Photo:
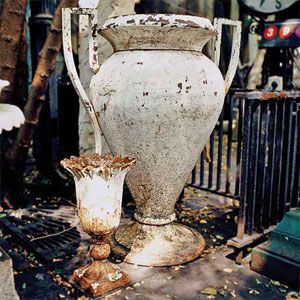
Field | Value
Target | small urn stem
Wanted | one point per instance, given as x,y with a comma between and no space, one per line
100,250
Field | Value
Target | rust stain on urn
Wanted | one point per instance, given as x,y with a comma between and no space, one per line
161,20
180,87
188,23
130,21
94,30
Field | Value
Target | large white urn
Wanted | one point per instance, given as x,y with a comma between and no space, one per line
156,98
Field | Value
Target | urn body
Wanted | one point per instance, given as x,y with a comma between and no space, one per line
160,107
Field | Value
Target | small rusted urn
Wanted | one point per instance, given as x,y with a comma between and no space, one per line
99,186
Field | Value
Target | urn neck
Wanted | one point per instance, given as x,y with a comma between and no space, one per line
158,32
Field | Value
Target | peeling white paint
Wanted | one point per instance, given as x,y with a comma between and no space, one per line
158,99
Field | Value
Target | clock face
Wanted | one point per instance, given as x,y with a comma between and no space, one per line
268,6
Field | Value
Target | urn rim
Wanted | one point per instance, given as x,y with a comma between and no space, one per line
159,20
157,32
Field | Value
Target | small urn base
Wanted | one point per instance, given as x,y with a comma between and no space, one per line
100,276
164,245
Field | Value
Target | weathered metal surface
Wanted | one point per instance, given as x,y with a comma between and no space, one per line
150,104
235,51
265,95
157,31
281,252
157,245
68,55
269,134
99,187
47,232
100,276
267,144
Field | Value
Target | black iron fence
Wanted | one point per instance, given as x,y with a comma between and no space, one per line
218,167
254,156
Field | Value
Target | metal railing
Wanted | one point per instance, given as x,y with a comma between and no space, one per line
218,169
254,154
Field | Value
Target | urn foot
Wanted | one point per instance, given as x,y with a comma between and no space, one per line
165,245
100,276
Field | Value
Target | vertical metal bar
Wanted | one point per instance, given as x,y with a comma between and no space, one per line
296,184
252,188
261,174
211,164
202,175
270,165
229,147
194,175
278,160
220,150
239,148
247,104
293,161
284,204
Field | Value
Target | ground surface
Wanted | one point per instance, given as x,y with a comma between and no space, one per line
212,276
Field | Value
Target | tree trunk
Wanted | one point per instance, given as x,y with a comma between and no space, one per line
16,154
12,20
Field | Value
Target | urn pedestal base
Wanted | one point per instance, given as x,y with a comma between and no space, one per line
160,245
100,276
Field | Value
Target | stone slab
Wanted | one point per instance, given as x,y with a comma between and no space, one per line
7,283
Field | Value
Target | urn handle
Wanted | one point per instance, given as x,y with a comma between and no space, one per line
93,59
235,50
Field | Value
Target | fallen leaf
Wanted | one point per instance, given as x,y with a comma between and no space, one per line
275,283
253,291
222,292
176,268
227,270
3,215
233,294
292,295
203,221
209,291
39,276
82,298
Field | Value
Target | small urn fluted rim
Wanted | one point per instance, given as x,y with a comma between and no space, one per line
105,166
